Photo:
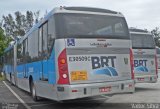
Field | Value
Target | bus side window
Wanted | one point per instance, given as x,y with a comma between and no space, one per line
51,34
45,37
19,53
36,45
12,58
33,46
26,54
40,42
24,49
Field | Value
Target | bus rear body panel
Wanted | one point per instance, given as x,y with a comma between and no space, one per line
95,67
145,65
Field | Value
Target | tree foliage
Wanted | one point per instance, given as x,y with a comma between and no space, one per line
4,41
19,24
15,25
156,33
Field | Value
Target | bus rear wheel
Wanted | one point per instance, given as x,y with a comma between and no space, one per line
33,92
11,79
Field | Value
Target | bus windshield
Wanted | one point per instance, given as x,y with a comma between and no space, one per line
142,41
90,26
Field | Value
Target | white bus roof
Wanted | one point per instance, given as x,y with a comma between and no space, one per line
139,31
84,10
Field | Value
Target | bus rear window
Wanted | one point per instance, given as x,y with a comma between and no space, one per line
144,41
88,25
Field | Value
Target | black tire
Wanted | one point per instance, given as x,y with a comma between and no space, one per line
11,79
33,92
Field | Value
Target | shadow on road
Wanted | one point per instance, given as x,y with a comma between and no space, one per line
83,105
144,89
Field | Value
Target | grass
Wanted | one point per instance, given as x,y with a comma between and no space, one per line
1,77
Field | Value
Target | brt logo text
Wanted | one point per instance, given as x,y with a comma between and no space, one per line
103,61
140,63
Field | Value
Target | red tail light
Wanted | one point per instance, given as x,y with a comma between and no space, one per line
63,68
131,63
156,63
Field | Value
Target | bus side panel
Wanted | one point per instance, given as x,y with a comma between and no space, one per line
51,68
43,73
7,72
23,73
45,70
45,87
22,81
34,70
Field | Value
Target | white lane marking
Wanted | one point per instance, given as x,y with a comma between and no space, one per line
17,96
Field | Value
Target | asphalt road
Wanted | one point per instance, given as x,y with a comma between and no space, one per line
147,96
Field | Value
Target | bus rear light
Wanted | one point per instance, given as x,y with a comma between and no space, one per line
74,90
131,63
64,76
63,68
156,65
63,61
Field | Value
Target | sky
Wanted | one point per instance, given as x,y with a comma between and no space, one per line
143,14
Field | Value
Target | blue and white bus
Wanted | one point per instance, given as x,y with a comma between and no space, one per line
74,52
144,53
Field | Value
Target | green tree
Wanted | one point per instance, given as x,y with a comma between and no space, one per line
4,41
156,33
9,25
36,15
29,19
19,24
16,25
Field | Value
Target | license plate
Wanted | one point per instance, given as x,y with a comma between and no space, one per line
79,75
141,79
105,89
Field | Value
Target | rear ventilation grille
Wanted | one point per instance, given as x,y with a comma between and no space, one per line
90,9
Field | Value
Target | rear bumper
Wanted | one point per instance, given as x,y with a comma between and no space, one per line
66,92
146,79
